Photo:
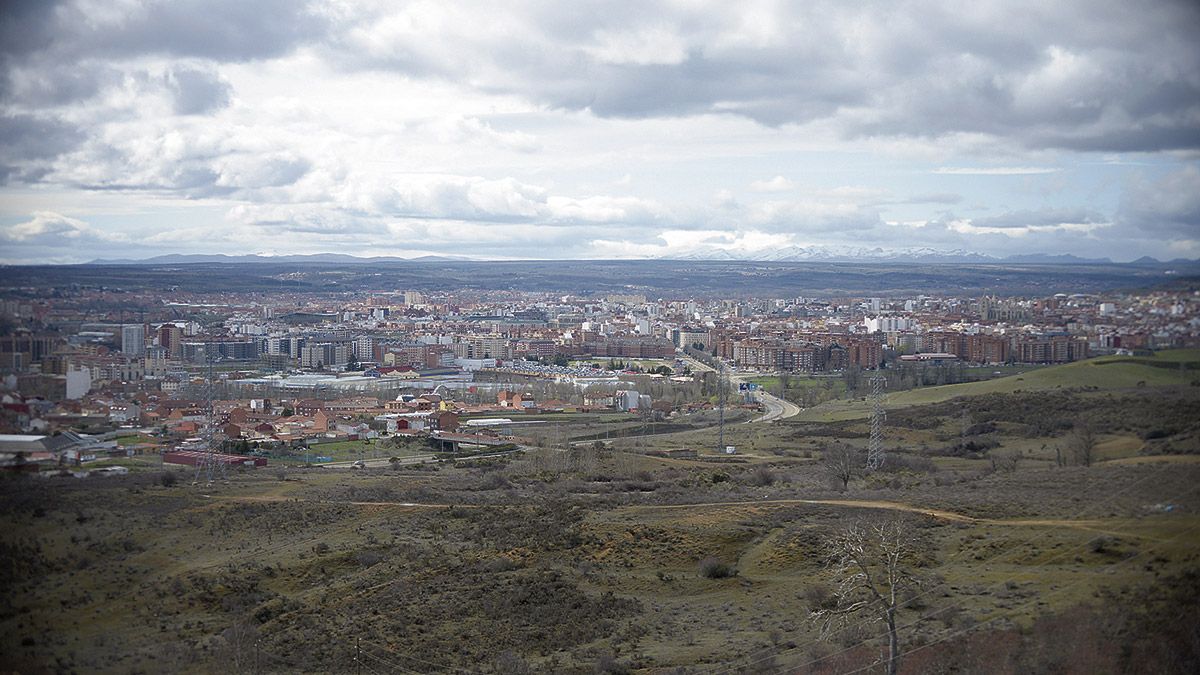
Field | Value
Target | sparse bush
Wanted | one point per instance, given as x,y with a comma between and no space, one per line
819,596
495,481
719,477
501,564
762,477
712,568
168,478
607,664
509,663
369,558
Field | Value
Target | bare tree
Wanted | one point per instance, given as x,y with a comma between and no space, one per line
842,462
236,646
1083,444
871,566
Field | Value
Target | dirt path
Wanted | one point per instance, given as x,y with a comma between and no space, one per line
894,506
940,514
1155,459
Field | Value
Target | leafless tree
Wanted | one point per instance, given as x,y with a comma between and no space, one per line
842,462
237,644
1083,444
872,566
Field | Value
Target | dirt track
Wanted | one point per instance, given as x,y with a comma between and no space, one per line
848,503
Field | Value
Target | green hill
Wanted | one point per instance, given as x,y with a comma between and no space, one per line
1106,372
1166,368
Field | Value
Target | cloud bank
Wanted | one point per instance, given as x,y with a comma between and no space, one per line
542,129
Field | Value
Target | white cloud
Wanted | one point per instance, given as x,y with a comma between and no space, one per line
45,224
776,184
994,170
537,128
50,228
649,45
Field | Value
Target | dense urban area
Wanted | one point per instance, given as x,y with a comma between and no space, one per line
515,481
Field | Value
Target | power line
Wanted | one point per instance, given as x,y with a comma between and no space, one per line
389,664
440,667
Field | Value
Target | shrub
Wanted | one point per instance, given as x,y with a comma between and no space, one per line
819,597
607,664
168,478
713,568
369,558
762,477
501,564
509,663
495,481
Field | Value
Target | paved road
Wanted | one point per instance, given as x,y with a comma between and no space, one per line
777,408
696,366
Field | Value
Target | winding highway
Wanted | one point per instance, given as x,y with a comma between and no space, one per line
777,408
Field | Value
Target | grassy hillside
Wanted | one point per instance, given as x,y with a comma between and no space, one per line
1164,369
517,568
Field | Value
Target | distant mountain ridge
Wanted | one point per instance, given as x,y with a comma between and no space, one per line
845,254
186,258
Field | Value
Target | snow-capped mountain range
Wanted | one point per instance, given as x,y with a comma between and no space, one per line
872,254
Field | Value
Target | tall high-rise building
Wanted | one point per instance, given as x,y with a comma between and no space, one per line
133,339
170,338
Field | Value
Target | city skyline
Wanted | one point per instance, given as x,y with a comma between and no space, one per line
596,131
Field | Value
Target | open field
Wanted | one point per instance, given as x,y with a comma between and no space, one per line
593,558
581,571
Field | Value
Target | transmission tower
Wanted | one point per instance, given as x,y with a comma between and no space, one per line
875,449
721,406
209,467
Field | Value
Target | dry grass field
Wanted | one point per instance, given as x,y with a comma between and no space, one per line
586,560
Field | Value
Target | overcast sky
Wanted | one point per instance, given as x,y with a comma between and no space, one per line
597,129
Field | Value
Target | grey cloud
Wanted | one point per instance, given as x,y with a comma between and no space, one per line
43,82
1078,75
1167,206
1047,217
1084,75
28,143
58,53
224,30
33,137
197,91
